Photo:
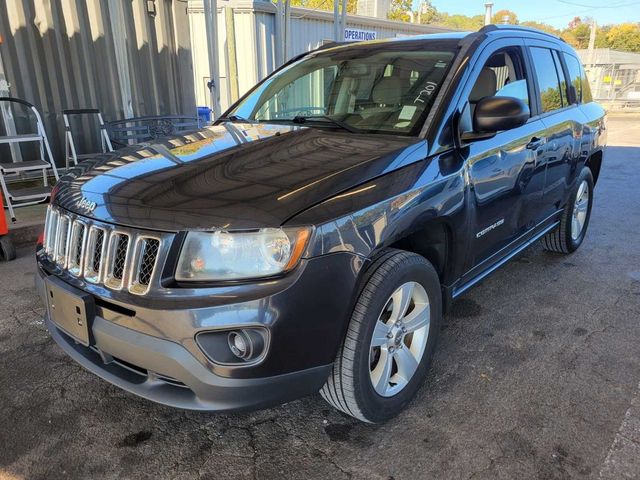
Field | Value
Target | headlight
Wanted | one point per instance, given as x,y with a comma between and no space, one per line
240,255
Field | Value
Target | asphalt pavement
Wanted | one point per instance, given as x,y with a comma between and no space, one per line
536,376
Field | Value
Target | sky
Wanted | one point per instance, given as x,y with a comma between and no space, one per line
555,12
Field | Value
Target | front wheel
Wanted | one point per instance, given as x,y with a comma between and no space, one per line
391,337
569,235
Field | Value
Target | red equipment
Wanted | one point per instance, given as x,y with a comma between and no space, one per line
7,249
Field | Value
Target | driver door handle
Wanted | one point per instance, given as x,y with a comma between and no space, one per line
535,143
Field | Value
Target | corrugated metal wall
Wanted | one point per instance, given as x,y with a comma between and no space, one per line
309,28
254,23
108,54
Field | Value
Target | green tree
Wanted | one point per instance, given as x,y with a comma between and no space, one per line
399,10
428,12
578,36
625,36
352,5
500,15
459,22
550,99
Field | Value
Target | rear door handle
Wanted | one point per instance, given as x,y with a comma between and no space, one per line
535,143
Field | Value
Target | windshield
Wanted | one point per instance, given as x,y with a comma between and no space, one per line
384,88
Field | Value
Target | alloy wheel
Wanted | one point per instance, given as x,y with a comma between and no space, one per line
580,210
399,339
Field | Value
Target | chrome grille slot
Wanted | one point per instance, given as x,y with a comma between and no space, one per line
94,253
62,240
117,259
51,225
148,261
101,254
77,247
146,256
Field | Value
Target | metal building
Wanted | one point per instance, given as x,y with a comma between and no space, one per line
149,57
127,58
247,41
614,76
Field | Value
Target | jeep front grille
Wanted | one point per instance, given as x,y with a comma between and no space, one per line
117,259
147,263
102,254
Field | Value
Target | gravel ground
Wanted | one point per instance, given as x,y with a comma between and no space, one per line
536,376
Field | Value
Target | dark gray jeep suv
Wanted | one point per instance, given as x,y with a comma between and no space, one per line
312,238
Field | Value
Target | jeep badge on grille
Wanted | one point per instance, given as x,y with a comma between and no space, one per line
87,204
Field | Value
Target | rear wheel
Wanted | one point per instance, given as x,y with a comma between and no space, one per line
390,340
569,235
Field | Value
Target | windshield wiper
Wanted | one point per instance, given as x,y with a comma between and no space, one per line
234,118
345,126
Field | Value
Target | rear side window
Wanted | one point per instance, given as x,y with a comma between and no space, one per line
561,76
547,73
575,75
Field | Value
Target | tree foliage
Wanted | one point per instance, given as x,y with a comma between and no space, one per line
460,22
352,5
623,36
501,15
399,10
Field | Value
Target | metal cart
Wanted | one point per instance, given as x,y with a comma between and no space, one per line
143,129
70,151
19,197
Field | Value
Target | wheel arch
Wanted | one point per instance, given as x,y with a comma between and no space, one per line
594,162
433,240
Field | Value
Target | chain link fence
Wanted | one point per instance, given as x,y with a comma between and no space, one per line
614,78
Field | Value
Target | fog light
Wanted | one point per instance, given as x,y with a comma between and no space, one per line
240,344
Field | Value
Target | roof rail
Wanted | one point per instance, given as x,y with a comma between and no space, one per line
492,28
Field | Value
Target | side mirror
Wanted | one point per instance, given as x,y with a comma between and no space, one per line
494,114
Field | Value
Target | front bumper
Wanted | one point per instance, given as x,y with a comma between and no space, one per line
165,372
152,352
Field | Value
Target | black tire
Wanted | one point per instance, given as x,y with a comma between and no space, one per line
7,249
349,387
560,239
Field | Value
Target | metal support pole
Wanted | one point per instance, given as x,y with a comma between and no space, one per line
232,62
279,33
211,25
592,42
487,13
336,20
7,114
343,20
287,30
117,18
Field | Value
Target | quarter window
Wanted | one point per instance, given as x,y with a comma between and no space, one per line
551,97
573,66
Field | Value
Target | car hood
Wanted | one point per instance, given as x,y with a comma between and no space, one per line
231,176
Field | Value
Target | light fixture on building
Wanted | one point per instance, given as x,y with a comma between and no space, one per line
151,8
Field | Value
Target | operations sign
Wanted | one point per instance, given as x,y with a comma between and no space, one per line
355,34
